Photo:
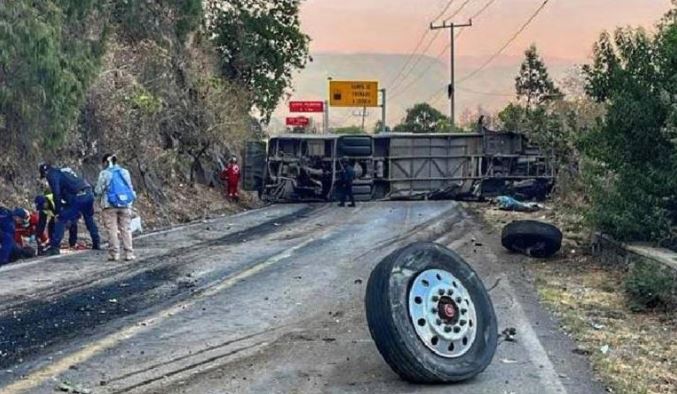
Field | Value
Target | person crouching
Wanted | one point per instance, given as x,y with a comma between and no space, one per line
116,194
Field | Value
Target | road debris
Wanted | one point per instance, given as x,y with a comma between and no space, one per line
68,387
426,271
509,334
506,203
532,238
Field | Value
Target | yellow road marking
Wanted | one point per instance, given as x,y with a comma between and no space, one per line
36,378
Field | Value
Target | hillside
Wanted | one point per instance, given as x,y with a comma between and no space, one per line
498,79
135,79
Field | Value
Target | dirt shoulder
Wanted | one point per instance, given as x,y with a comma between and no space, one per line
631,352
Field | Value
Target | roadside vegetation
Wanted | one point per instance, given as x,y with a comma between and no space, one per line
173,87
612,128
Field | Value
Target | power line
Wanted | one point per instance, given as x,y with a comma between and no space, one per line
398,92
506,45
392,87
444,11
418,45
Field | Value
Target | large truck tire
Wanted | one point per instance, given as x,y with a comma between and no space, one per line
430,315
355,146
533,238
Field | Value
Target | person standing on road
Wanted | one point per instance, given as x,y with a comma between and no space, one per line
68,187
44,205
116,193
231,175
346,178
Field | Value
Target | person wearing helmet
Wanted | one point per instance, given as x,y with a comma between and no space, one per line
77,193
231,175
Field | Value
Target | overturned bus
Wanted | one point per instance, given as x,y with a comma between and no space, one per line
300,167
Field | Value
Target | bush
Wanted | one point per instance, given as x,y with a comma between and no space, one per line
651,287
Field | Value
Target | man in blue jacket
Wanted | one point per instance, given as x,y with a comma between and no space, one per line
7,228
77,193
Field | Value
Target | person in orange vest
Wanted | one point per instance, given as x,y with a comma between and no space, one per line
231,176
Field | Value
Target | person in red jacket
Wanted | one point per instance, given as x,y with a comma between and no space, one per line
231,175
26,227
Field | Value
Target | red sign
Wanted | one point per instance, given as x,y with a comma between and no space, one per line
298,121
306,106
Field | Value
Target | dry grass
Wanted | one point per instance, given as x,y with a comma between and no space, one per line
631,352
590,302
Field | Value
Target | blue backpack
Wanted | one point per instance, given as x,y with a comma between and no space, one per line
120,194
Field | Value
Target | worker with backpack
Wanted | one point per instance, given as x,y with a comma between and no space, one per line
116,195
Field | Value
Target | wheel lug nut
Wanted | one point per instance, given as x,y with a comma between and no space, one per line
450,291
457,329
447,329
458,300
464,311
436,298
441,292
439,322
434,310
462,322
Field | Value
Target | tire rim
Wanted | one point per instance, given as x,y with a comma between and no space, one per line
443,313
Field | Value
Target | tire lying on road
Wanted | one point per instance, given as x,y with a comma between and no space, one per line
430,315
533,238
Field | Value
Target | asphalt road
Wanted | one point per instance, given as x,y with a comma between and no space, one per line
266,301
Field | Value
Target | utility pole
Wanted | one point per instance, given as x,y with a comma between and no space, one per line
451,91
364,115
383,110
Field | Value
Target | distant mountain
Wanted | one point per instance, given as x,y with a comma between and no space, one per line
491,89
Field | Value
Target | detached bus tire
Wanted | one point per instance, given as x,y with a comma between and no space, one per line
533,238
430,315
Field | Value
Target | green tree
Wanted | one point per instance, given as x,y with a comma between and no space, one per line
423,118
48,58
260,44
633,183
533,84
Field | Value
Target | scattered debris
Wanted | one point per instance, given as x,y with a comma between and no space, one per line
508,361
358,281
68,387
604,349
506,203
509,334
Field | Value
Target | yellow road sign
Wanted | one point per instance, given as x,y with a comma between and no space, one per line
353,93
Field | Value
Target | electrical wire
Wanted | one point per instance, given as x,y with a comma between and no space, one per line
398,92
418,45
506,45
394,87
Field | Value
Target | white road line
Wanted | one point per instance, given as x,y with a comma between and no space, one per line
535,350
36,378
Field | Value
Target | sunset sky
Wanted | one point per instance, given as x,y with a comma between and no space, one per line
565,29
